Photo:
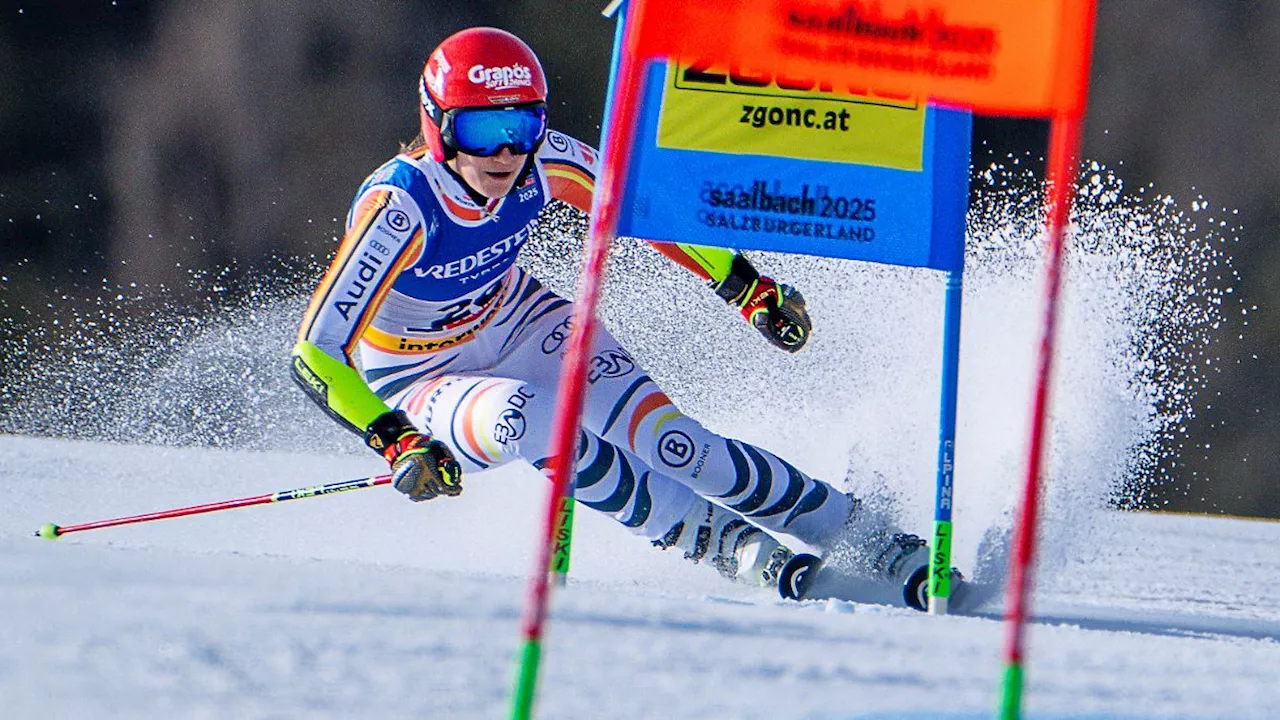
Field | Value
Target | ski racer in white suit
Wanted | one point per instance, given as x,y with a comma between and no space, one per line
460,349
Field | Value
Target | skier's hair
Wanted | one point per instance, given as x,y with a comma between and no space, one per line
417,143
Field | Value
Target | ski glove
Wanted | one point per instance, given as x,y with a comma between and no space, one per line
777,311
421,467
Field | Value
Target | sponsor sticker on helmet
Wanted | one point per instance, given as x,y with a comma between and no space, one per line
501,78
425,96
435,76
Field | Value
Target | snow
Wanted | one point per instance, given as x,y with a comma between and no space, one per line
365,605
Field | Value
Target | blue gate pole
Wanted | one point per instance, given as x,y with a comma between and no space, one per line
940,558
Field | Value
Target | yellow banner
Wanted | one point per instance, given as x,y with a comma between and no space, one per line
726,110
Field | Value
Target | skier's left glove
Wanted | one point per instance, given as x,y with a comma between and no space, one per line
777,311
421,467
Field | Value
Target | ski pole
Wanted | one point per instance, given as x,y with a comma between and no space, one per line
52,532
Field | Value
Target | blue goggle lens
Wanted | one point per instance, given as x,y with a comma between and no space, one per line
484,132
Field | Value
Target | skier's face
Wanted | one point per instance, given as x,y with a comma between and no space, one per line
492,177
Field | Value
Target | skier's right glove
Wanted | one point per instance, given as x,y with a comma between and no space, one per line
421,467
775,310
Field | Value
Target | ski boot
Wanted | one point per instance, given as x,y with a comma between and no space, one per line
768,563
740,551
905,559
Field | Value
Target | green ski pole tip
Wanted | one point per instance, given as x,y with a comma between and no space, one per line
49,531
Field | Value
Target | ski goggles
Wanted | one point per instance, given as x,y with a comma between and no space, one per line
483,132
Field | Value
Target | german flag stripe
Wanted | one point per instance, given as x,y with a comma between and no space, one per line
453,430
397,267
463,212
369,207
646,407
478,444
571,184
561,162
616,412
418,398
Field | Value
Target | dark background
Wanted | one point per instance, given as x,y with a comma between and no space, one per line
147,142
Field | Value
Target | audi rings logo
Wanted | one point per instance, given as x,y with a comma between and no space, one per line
398,220
558,141
555,339
675,448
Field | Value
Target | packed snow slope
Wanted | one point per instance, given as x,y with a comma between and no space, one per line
364,605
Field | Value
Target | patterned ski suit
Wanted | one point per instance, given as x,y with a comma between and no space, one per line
469,345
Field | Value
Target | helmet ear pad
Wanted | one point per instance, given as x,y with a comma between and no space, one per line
431,134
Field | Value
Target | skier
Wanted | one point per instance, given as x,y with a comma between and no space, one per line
460,348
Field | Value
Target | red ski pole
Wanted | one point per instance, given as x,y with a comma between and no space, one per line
52,532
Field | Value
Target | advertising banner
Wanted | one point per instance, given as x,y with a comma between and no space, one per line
1001,57
744,159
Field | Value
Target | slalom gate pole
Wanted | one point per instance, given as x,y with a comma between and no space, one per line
619,130
940,557
563,549
1064,151
51,531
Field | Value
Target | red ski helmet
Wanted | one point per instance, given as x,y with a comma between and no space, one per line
480,67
